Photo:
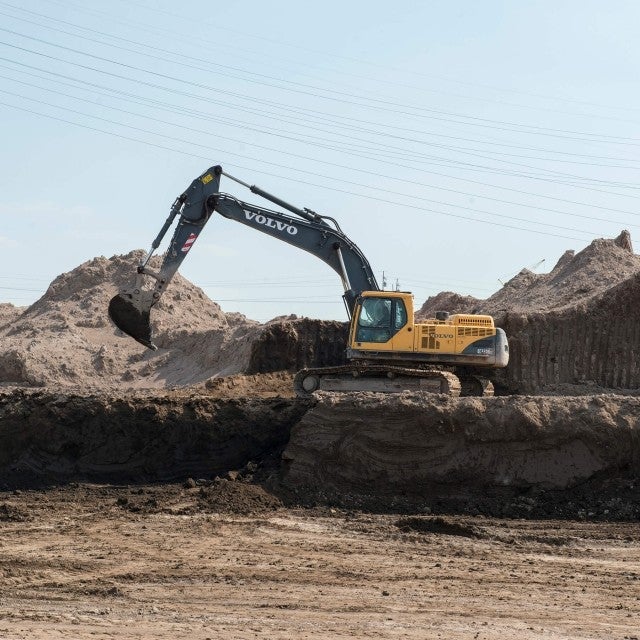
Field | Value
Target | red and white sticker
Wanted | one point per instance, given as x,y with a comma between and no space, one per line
188,242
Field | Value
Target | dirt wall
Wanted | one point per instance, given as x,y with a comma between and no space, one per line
295,344
371,447
499,456
54,437
595,344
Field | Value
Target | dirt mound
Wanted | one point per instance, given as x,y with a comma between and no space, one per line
448,301
13,513
267,385
587,348
192,497
446,526
225,496
571,331
576,278
66,339
9,313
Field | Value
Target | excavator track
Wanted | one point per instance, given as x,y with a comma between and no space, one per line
382,378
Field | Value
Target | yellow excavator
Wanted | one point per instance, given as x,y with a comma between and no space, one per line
387,350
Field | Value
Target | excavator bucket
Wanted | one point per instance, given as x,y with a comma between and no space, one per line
131,319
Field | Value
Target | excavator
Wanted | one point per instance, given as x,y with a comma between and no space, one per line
387,350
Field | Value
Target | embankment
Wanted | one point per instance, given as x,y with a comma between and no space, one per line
500,456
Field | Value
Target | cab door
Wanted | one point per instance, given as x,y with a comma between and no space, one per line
402,329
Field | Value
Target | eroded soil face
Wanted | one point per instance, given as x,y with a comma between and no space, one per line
166,561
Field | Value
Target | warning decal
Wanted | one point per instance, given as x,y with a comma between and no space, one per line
188,242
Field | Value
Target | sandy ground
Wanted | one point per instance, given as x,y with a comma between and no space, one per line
163,561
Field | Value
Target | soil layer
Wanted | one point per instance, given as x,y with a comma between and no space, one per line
512,456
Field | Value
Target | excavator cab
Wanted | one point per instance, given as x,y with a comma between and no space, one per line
383,329
381,321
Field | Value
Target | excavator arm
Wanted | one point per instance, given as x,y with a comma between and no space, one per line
305,229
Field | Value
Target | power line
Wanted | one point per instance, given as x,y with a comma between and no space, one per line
137,26
147,117
311,112
269,130
153,133
314,159
475,121
431,171
235,154
19,289
217,64
354,169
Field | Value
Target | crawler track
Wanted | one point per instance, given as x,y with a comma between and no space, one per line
384,378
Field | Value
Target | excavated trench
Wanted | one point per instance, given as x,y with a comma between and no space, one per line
504,456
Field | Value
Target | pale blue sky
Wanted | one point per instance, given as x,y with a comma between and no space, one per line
455,142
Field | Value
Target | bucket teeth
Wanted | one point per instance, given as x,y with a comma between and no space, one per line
131,320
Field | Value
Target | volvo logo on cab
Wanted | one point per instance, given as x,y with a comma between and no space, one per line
270,222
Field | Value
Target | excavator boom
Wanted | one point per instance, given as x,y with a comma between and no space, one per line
305,229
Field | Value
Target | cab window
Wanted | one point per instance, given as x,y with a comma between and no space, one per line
374,323
380,319
400,315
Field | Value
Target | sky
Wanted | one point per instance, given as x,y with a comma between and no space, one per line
456,143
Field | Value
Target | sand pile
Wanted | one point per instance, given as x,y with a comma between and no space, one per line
9,313
571,331
576,278
67,339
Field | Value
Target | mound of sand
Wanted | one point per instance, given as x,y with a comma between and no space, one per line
9,313
576,278
66,338
573,330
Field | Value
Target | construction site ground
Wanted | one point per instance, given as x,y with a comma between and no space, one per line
164,561
185,493
235,554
